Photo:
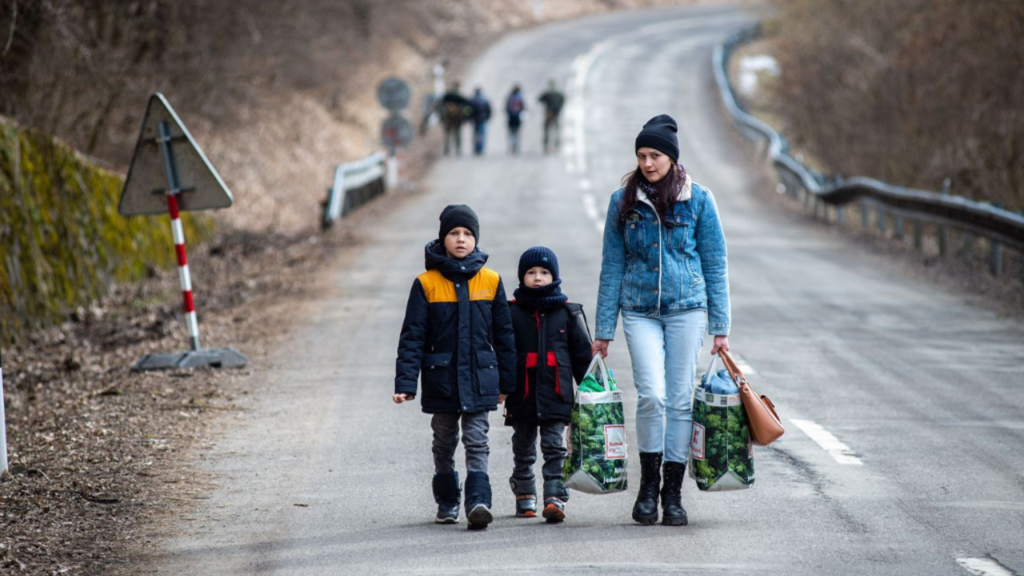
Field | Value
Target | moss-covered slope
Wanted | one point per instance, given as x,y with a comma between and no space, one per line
62,241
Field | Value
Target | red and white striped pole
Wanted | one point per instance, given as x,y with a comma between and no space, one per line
173,189
3,422
186,280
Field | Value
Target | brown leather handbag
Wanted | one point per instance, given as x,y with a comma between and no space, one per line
765,426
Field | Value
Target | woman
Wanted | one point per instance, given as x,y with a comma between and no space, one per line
664,267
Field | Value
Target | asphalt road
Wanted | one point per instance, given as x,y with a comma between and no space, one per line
904,404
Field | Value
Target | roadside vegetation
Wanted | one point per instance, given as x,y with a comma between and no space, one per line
912,92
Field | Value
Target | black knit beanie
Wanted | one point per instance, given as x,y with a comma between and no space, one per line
455,215
660,133
538,256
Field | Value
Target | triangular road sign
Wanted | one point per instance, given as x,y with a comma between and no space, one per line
184,166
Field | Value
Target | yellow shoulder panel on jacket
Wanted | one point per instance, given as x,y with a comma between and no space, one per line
484,286
437,288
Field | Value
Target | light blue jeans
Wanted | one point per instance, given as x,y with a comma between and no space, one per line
664,353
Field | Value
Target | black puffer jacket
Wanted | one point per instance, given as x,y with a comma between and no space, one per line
552,349
457,335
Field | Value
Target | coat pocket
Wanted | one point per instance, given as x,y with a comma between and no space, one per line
487,372
436,374
563,377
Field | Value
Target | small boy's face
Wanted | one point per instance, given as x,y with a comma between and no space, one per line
459,243
536,277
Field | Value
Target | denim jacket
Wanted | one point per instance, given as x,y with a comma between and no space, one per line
650,268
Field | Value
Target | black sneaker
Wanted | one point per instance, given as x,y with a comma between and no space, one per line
526,506
479,517
554,510
447,514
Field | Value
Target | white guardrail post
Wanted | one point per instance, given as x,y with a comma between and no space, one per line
350,176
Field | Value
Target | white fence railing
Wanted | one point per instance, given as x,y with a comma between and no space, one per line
355,184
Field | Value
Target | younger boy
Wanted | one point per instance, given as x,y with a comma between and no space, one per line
553,345
457,339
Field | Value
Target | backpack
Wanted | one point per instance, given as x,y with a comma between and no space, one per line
515,104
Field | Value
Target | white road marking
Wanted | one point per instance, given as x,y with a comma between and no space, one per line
747,369
590,207
837,450
983,567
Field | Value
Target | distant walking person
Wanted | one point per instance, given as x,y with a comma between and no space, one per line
481,114
515,108
664,267
553,101
457,341
455,108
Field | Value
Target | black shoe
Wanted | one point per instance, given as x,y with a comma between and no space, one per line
645,510
526,506
478,500
447,514
447,494
672,495
554,510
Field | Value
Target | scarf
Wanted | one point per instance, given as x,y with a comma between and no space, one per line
543,298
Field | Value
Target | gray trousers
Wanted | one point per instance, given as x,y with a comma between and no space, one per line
524,455
474,439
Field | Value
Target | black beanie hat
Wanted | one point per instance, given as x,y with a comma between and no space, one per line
660,133
538,256
455,215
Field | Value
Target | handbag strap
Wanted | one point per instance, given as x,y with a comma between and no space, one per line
731,366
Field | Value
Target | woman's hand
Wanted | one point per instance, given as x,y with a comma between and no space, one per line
399,398
599,347
501,398
721,343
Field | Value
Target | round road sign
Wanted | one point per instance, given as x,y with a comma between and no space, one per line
393,93
396,132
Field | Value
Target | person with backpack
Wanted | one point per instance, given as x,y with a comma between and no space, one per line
553,100
481,114
454,109
552,349
515,108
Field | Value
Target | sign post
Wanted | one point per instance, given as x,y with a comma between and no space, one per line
169,172
396,132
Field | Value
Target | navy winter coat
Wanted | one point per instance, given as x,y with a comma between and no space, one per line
457,335
552,348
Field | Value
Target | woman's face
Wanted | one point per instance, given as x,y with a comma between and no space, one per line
653,164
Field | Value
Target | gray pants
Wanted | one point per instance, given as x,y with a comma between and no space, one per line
524,454
474,440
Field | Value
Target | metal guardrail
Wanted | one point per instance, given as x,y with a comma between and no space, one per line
997,225
355,184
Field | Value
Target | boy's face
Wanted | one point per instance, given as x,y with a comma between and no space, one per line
536,277
459,243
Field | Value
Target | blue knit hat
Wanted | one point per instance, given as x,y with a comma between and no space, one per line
538,256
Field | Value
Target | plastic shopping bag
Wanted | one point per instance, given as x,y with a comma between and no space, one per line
721,454
596,437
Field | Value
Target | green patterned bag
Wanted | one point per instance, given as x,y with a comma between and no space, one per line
596,437
721,454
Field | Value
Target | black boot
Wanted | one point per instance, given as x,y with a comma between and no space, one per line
645,511
672,495
478,500
447,493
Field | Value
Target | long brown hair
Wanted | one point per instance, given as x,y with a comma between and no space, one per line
666,191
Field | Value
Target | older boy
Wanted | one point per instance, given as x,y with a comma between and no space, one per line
457,338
